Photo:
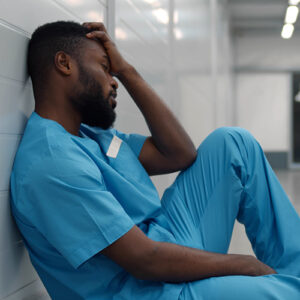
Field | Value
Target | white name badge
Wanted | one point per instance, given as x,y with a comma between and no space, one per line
114,147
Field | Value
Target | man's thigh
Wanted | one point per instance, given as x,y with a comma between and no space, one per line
269,287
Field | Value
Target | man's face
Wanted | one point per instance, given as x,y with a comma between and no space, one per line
94,96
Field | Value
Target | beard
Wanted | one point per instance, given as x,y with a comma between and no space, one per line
91,103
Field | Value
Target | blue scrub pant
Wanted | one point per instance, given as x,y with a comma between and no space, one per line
231,179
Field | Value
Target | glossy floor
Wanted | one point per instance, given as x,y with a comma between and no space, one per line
290,180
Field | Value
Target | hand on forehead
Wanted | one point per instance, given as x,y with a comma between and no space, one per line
99,33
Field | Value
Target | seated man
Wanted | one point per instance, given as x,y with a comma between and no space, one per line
89,214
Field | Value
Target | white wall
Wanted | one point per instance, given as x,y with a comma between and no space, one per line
187,60
263,106
263,64
205,69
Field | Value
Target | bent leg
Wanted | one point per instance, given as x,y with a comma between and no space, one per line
231,179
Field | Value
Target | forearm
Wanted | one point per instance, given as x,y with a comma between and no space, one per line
169,136
175,263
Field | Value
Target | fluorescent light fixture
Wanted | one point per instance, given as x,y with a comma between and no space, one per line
178,34
291,14
120,34
154,3
287,31
161,15
294,2
94,16
175,16
74,2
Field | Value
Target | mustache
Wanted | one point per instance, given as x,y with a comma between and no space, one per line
113,94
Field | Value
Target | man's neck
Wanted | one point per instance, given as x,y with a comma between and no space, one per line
67,118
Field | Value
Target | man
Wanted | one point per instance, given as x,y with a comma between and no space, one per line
89,214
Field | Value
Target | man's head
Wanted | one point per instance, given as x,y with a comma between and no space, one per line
60,55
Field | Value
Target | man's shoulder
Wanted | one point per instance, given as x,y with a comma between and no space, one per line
47,150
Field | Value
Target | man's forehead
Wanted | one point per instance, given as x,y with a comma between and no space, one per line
95,48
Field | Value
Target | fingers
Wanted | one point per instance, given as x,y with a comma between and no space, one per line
95,26
100,35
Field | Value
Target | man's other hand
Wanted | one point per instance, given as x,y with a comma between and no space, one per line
257,268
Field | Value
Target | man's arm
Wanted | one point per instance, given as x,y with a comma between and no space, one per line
160,261
170,148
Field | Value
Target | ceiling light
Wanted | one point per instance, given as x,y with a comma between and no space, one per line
161,15
94,16
120,34
154,3
74,2
175,17
294,2
287,31
178,34
291,14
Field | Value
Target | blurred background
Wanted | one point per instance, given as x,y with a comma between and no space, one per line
214,62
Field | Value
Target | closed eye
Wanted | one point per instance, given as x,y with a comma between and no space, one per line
105,67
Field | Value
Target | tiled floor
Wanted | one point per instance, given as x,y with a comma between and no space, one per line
290,180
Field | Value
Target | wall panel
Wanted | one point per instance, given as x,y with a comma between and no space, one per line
13,52
9,235
32,291
16,104
85,11
17,12
8,146
16,270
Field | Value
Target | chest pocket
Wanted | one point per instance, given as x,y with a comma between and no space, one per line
127,163
122,159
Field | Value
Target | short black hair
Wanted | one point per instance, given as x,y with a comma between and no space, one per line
47,40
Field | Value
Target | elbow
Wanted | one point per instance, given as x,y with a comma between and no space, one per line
147,267
192,157
187,159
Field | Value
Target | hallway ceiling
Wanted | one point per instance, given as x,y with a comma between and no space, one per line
254,16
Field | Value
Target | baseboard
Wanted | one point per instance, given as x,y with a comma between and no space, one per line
277,160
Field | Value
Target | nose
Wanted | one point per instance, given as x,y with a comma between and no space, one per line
114,83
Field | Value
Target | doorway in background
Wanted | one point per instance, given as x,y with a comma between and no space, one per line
296,118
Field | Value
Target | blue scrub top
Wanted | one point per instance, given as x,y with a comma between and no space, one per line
72,196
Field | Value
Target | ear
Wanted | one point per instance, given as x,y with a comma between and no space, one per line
63,63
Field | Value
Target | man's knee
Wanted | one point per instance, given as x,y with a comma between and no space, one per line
223,135
225,131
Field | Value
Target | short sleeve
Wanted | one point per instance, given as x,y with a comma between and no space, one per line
134,140
72,208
